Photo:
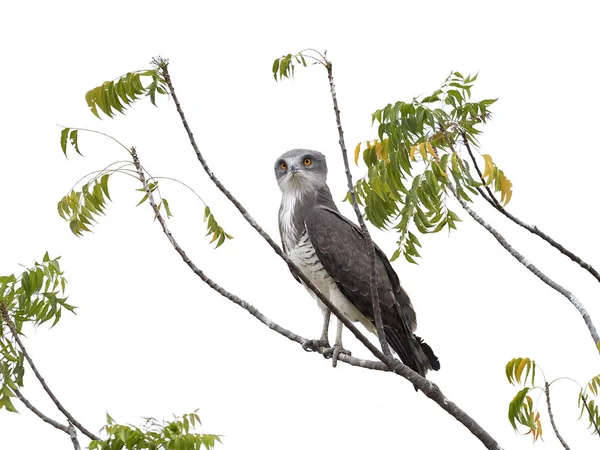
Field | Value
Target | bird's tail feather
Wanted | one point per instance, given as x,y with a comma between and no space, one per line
413,351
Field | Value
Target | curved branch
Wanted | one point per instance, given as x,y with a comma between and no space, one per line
533,269
562,441
531,228
60,407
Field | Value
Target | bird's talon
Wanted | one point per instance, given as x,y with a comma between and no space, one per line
314,345
334,352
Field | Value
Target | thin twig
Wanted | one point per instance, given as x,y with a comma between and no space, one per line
592,419
531,228
374,293
428,388
60,407
562,441
537,272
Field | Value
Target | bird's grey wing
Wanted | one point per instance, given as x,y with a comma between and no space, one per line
341,248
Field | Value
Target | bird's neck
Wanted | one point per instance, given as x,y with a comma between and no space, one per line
295,206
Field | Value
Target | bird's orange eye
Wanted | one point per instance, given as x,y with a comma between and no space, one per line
307,161
283,165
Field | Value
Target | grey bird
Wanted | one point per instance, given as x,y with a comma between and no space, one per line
331,251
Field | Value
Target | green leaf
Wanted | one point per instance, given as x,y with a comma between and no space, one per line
63,140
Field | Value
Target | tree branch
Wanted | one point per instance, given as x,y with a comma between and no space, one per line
363,226
533,269
562,441
532,229
427,387
60,407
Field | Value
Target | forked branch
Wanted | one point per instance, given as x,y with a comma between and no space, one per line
61,408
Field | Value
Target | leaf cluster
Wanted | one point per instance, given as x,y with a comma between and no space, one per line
155,435
521,409
214,229
115,96
81,207
284,67
417,159
35,296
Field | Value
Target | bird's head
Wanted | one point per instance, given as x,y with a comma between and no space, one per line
301,170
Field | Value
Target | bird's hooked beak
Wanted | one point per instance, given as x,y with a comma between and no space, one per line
293,167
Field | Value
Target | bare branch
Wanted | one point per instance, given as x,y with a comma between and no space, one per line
533,269
60,407
531,228
374,293
562,441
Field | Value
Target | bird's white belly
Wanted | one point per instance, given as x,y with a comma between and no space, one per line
305,257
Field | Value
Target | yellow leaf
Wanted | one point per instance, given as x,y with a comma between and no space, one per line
422,151
506,188
488,171
381,149
431,150
441,171
413,149
521,367
356,153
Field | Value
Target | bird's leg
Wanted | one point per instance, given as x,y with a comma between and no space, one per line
314,344
334,352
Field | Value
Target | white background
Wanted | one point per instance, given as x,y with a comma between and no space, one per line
150,339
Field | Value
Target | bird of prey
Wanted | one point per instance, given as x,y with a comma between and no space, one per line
331,251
